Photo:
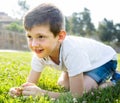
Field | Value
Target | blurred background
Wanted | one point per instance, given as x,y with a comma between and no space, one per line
97,19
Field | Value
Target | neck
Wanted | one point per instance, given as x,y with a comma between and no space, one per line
55,56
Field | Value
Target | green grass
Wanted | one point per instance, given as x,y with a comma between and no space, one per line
15,67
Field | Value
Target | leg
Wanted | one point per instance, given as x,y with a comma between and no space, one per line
99,76
64,80
106,84
89,83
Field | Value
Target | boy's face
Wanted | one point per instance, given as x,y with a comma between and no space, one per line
42,41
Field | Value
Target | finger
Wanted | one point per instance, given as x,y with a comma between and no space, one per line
25,84
27,88
30,88
13,90
12,94
26,93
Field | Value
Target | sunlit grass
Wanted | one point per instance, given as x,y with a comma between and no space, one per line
118,67
15,67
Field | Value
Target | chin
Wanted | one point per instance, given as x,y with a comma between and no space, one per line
40,56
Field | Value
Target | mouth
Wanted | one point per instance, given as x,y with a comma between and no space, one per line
38,51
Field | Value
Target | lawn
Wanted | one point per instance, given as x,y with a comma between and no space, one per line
15,67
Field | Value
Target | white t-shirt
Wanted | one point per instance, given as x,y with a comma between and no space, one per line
77,54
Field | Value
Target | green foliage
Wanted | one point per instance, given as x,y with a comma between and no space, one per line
15,26
15,67
117,26
107,30
80,23
24,7
23,4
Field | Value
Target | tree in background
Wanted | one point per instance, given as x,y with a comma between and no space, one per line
88,26
117,26
68,25
81,23
24,7
107,31
15,26
76,26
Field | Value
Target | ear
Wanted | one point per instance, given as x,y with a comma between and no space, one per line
62,35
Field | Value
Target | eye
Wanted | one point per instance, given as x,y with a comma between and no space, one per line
41,37
29,36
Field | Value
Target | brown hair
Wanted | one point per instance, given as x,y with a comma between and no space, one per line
45,13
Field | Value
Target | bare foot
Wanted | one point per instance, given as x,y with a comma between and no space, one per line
106,84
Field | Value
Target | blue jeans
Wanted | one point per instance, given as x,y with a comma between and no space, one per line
104,72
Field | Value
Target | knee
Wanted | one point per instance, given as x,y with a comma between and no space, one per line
89,83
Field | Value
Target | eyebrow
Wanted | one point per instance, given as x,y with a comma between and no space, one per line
38,34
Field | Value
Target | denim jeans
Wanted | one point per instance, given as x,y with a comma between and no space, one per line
104,72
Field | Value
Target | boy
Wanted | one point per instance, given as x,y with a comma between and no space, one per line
86,63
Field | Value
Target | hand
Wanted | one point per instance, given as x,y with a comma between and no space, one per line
31,91
28,84
15,91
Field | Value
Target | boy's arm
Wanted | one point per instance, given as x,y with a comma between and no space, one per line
31,81
33,76
76,88
77,85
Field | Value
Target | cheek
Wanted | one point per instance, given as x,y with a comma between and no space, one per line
29,44
53,46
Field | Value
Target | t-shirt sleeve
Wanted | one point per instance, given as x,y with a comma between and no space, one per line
37,64
77,62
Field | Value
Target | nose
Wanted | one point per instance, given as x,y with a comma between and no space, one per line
35,43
